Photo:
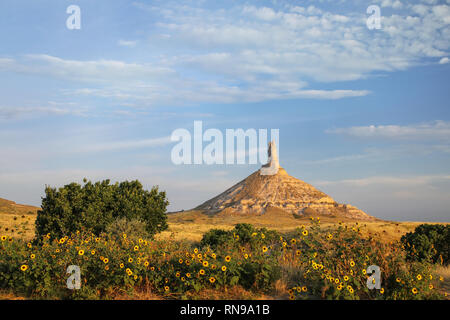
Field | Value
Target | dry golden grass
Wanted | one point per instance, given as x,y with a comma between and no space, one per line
444,271
17,220
10,207
233,293
144,293
4,295
17,226
191,225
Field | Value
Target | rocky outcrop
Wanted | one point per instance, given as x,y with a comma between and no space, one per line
260,191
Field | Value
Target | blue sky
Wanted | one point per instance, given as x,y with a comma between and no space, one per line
363,114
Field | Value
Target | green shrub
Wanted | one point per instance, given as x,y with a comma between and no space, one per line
243,234
214,238
93,206
134,229
428,242
332,264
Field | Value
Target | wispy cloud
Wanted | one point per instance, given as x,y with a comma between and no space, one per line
92,71
127,43
437,130
251,53
20,112
406,181
123,145
399,197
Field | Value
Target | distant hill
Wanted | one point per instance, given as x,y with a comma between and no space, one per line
10,207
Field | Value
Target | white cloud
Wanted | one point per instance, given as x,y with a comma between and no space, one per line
435,130
93,71
122,145
127,43
396,4
444,60
20,112
389,180
410,198
254,53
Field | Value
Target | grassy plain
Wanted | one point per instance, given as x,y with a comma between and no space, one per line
18,221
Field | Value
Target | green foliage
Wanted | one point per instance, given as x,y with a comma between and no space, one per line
109,265
133,229
312,262
428,242
242,234
93,206
214,238
333,265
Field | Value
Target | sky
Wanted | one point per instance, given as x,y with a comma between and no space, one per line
363,114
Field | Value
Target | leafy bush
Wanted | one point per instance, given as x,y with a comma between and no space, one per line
242,234
332,264
214,238
134,229
93,206
428,242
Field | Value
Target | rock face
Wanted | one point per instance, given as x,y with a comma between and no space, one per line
261,191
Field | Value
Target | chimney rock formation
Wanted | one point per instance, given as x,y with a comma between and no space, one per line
273,187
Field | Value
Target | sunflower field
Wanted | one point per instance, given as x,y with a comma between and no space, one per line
310,263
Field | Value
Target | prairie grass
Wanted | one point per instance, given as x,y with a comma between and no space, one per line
444,271
191,225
